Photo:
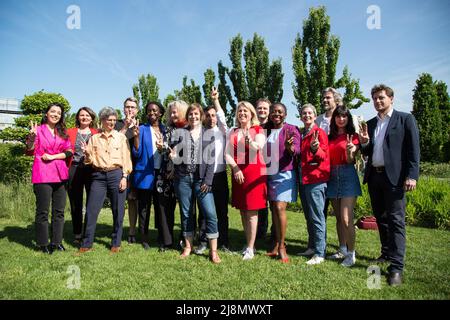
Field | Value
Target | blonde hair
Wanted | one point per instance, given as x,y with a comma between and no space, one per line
181,106
247,105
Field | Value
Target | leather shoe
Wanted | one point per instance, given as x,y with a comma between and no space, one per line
58,247
84,249
146,246
381,259
46,249
131,239
395,279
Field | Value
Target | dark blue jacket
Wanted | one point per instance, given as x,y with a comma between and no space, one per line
400,148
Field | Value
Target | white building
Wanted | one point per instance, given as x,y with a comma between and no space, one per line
9,110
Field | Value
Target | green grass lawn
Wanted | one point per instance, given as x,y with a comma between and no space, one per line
137,274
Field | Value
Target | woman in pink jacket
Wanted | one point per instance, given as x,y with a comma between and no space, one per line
50,145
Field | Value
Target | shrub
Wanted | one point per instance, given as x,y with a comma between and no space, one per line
438,170
15,166
427,206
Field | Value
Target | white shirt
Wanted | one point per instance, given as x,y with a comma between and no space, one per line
220,132
378,136
156,154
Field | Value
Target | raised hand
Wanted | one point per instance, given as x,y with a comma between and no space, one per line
159,141
83,145
350,146
136,129
363,133
214,94
289,141
315,141
33,128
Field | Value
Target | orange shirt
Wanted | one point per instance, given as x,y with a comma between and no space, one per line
106,151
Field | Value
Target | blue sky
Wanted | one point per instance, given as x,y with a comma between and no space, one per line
120,40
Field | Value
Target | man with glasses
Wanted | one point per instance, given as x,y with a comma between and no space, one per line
125,126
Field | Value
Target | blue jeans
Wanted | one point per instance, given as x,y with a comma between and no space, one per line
188,189
313,201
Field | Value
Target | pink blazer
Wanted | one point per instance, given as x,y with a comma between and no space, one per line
49,171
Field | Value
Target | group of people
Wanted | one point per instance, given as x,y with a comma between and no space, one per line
185,159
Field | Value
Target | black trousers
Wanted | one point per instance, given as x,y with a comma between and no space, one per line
105,183
221,196
388,205
56,194
80,179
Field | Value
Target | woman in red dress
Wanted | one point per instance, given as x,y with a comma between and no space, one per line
244,155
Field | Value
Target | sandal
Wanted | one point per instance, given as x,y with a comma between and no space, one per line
186,253
214,257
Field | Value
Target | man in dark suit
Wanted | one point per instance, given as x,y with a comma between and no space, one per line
391,142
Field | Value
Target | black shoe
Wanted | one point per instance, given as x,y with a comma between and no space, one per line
381,259
131,239
145,245
395,279
162,249
58,247
46,249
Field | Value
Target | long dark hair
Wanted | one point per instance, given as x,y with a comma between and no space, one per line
61,130
349,128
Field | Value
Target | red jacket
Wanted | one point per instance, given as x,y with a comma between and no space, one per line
72,132
315,167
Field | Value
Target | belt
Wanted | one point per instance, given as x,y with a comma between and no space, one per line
378,169
106,169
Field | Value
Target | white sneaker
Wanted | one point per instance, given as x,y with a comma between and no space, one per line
315,260
249,254
308,252
244,250
337,256
349,261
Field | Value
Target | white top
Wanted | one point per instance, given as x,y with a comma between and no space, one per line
156,155
220,132
378,136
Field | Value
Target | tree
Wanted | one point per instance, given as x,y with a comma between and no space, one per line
145,91
444,108
210,78
257,79
190,93
33,108
428,117
225,95
315,56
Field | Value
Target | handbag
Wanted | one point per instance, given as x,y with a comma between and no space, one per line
367,223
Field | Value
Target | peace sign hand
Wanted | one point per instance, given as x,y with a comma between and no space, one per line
33,128
363,133
83,146
214,94
289,141
315,141
136,129
350,146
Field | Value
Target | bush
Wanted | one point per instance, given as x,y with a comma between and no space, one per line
15,166
427,206
437,170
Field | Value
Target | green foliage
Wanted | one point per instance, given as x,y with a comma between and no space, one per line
38,102
14,134
225,95
15,165
428,117
145,91
190,93
315,56
257,79
436,170
33,108
444,107
210,78
427,206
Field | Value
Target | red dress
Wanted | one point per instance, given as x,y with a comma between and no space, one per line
252,194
